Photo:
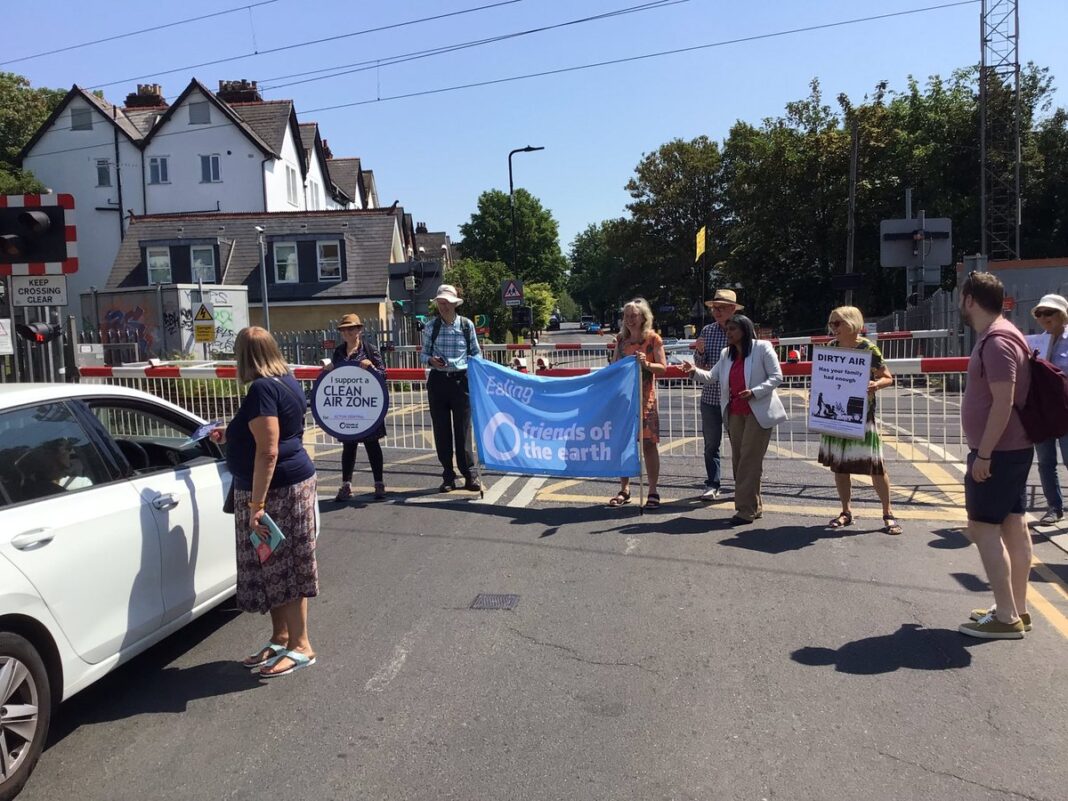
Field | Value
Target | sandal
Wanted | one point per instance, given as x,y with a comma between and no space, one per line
380,490
892,526
299,660
843,520
268,652
621,498
652,501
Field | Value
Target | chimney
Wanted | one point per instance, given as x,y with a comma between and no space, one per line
326,150
242,91
420,228
148,95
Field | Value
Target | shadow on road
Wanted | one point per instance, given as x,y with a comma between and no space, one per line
789,538
949,539
911,646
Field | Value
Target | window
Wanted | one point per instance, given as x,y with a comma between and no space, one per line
313,190
199,113
329,261
46,452
285,263
291,185
81,119
203,257
148,440
209,169
157,170
159,265
103,172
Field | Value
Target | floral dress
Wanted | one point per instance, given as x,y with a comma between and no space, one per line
650,412
861,457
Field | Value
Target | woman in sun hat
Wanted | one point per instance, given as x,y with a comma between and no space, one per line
1052,345
358,351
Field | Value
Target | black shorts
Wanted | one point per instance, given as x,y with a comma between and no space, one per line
1004,493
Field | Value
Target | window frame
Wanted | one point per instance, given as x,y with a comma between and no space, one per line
85,116
214,165
198,105
296,255
148,263
319,259
192,264
161,164
291,185
105,165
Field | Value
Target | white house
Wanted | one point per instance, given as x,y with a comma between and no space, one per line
225,152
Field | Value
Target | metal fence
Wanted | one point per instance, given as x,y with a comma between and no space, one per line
919,416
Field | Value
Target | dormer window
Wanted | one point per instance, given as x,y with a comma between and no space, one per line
81,119
200,113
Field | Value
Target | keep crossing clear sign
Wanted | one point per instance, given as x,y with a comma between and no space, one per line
204,324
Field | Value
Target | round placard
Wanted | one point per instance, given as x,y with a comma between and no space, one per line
349,402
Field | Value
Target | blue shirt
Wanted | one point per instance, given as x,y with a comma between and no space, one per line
715,338
452,343
267,397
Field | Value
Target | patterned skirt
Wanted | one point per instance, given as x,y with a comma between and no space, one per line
291,573
858,456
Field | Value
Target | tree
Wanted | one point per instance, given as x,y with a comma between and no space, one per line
479,284
23,110
488,237
542,300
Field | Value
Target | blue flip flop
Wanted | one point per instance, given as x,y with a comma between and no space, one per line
300,661
275,650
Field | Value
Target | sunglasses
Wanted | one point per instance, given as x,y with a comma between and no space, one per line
1045,312
834,323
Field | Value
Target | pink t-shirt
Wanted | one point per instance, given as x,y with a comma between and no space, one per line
1002,361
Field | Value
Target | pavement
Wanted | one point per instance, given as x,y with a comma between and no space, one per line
665,655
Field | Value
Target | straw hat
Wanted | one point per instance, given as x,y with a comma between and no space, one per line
448,292
1052,301
349,321
725,296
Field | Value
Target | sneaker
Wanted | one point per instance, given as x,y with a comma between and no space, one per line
343,494
1050,518
447,486
711,494
979,614
990,628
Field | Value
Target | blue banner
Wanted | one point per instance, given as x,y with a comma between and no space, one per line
584,426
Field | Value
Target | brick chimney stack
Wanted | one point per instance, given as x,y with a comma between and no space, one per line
243,91
148,95
326,150
420,228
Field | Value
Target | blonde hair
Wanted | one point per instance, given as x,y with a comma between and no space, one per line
851,316
257,355
646,311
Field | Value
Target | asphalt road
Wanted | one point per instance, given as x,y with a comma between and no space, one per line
664,656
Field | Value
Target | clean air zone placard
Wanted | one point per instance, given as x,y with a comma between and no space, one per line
349,402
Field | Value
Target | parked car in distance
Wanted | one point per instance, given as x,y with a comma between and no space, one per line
112,537
586,320
593,328
553,324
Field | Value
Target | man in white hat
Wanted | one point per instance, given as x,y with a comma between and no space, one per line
707,349
448,342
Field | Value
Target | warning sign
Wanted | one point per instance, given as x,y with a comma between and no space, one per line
204,324
512,292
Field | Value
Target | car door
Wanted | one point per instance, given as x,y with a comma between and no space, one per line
77,531
183,484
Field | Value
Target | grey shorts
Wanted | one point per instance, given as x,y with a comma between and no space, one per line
1004,493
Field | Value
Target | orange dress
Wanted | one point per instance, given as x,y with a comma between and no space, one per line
650,413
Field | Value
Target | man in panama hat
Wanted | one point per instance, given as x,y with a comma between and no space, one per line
710,343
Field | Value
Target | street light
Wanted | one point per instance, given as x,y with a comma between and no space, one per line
511,202
263,277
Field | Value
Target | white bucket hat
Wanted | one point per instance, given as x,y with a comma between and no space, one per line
1052,301
448,292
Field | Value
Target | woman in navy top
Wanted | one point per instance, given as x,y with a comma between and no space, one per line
356,350
273,475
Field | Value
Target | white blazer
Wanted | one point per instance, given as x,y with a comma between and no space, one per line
762,375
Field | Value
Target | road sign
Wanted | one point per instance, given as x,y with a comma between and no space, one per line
481,321
7,345
204,324
512,292
39,290
38,235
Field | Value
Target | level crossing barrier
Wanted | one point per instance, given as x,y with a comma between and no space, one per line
919,415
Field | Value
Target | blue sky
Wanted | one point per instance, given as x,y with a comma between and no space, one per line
437,153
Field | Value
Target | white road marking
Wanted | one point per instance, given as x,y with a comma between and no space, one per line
942,453
494,493
524,497
388,672
632,543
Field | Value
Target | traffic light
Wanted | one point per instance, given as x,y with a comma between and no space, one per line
39,333
37,232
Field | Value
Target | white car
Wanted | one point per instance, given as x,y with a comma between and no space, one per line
112,537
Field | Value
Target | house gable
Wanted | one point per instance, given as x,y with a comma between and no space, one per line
112,114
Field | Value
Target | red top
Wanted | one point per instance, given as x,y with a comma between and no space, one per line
737,386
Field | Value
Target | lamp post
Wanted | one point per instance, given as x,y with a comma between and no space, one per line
263,277
511,203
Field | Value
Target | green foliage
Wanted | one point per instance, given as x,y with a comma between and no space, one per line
542,300
23,110
479,283
568,306
488,237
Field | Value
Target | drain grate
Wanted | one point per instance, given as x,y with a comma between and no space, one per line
486,600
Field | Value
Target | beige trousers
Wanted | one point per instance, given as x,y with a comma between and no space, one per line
749,443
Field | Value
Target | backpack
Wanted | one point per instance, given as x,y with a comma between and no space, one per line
435,329
1044,412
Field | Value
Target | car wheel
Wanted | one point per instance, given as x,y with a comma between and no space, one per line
25,711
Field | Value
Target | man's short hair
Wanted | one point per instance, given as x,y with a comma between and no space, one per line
986,290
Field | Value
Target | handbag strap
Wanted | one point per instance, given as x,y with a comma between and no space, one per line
302,402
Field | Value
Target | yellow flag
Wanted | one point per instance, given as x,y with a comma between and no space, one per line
700,242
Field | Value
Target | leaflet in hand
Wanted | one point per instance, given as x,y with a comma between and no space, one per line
202,432
265,545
